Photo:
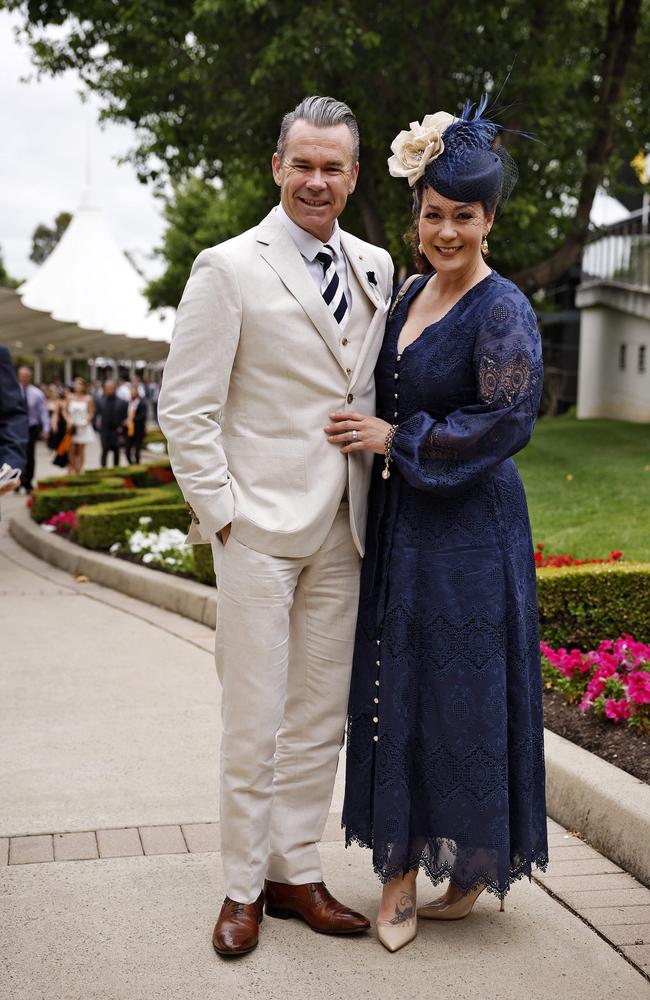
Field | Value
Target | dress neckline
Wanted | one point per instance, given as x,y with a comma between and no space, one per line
416,289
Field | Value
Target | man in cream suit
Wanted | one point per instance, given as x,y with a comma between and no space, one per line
278,328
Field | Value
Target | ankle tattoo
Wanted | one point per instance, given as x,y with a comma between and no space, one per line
404,909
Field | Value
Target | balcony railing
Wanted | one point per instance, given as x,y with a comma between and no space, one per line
620,253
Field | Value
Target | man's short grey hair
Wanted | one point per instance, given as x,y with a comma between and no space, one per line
322,112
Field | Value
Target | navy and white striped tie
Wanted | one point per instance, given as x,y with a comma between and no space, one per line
330,288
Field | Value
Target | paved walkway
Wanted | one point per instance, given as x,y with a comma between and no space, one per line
109,877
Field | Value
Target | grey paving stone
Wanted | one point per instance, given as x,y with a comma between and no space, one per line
603,916
583,902
4,850
163,840
570,852
639,953
202,838
579,866
554,827
119,843
621,934
564,840
75,846
582,883
30,850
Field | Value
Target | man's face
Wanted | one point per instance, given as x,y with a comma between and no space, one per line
109,388
24,376
316,176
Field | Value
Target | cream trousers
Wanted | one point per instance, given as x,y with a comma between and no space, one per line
284,643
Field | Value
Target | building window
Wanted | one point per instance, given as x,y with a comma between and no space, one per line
622,351
642,356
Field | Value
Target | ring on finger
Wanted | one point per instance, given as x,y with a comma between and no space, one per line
355,436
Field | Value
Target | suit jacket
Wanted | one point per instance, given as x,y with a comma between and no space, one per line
255,368
112,413
14,428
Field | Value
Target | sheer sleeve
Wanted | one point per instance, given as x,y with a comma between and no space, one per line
446,456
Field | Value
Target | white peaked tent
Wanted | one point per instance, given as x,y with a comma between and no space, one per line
86,300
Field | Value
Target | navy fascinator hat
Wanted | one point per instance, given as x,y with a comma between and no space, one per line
457,157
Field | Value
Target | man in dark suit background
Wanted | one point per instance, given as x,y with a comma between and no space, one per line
112,414
14,429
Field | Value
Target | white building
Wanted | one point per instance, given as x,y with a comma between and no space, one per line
614,299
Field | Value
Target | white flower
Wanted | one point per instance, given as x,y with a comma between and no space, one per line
48,527
145,520
115,547
414,150
148,557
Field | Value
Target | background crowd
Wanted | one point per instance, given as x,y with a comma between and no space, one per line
69,417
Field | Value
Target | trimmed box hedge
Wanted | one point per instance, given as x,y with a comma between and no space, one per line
581,605
47,503
102,524
152,474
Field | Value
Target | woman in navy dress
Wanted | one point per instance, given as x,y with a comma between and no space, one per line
445,767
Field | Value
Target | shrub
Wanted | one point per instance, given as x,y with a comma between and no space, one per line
100,526
83,479
47,503
582,605
204,564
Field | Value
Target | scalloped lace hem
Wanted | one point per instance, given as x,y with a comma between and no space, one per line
439,873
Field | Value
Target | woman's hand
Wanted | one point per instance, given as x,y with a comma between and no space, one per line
370,432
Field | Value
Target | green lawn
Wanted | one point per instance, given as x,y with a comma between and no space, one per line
605,504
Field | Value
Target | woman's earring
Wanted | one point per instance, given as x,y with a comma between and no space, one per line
484,245
420,248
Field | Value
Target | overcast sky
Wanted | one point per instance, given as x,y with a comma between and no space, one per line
45,128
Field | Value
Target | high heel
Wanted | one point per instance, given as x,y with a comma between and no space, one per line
438,909
395,936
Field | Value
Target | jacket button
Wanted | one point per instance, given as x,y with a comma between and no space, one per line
345,341
350,397
348,371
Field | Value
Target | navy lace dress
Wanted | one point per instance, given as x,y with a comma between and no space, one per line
445,764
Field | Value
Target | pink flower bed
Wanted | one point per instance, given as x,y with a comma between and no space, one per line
64,523
612,681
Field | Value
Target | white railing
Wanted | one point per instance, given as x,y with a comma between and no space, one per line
620,252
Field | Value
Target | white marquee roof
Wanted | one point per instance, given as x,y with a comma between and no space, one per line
85,300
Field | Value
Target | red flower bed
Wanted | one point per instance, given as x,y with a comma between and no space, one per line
561,559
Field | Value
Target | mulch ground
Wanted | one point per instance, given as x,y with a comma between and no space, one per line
617,743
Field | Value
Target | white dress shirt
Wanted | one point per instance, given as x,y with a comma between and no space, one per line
309,246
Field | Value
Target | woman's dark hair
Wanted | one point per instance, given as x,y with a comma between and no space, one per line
412,235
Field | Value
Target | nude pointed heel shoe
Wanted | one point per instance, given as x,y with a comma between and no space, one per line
439,910
395,936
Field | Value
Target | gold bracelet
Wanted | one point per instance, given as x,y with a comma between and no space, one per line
388,444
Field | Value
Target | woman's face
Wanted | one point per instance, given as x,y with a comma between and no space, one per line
79,385
451,232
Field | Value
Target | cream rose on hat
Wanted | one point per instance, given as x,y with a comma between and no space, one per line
413,150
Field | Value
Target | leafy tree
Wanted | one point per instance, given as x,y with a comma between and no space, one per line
45,238
207,81
6,281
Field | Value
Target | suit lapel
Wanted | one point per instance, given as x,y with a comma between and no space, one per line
279,250
361,265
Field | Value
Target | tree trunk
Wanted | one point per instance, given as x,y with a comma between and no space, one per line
622,26
366,199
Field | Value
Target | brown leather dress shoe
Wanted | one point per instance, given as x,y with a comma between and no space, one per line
237,929
313,904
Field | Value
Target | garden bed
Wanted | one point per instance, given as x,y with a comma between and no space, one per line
620,745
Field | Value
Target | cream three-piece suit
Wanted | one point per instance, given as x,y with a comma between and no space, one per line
257,363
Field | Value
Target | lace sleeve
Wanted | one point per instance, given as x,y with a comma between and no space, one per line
446,456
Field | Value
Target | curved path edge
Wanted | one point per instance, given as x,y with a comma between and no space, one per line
606,806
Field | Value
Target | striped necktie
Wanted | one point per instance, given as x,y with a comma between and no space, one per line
330,288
